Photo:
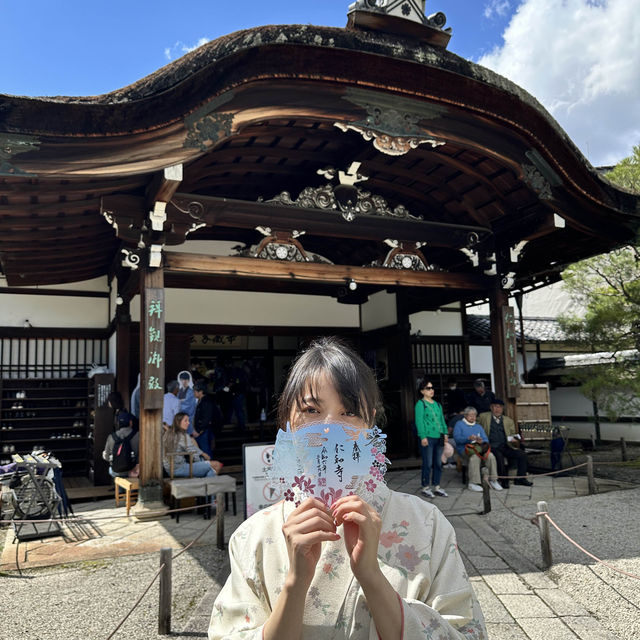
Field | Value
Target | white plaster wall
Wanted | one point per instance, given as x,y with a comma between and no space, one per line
96,284
568,401
379,311
436,323
56,311
194,306
53,311
480,360
609,431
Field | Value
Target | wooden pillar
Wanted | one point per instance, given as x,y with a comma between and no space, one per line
152,354
498,299
123,343
523,344
407,392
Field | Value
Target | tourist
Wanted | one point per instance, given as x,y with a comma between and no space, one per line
179,447
385,568
505,442
473,447
170,404
481,397
432,433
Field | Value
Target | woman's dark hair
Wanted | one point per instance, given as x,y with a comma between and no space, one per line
424,382
353,379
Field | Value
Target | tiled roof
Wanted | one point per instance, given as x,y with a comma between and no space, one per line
535,329
587,359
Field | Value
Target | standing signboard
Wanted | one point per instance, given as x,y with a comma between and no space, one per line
258,491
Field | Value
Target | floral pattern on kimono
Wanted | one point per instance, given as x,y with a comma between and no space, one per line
417,554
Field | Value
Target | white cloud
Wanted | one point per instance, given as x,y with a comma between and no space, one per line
581,60
180,48
499,8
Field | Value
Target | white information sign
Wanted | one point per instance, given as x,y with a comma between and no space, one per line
259,492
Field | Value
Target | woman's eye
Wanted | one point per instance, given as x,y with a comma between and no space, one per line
309,410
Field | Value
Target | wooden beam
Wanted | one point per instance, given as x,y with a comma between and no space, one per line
316,272
164,185
247,214
54,292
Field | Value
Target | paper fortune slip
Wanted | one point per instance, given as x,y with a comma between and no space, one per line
328,461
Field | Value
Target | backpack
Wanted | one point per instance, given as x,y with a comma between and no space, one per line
124,458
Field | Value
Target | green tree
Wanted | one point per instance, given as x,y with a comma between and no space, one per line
606,288
627,172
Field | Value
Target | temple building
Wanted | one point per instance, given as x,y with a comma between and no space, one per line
276,184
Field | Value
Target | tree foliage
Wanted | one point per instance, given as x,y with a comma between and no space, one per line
627,172
606,289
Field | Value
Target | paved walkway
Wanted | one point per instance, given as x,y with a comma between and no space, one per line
519,600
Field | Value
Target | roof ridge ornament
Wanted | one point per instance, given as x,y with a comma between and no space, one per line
402,17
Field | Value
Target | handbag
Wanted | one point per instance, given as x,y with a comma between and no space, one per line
480,449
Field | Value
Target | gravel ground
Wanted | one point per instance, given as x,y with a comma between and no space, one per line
607,526
86,601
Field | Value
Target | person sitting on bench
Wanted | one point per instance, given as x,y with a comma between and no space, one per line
473,448
176,440
505,441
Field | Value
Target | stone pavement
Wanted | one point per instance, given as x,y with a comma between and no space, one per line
519,600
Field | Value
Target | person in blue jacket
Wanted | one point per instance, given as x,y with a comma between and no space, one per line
468,432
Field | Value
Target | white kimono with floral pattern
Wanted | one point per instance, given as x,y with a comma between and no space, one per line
417,553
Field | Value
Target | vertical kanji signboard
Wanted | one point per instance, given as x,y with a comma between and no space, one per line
510,351
152,337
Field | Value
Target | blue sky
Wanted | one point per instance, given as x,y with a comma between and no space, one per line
89,47
579,58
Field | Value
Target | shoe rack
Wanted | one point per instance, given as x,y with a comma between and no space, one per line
51,414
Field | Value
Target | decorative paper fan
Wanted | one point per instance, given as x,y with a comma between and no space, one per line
328,461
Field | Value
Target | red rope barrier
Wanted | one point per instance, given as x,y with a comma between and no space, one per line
540,475
573,542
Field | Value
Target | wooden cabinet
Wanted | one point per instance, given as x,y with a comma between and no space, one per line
49,413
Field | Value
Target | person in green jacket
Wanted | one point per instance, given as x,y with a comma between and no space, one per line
432,432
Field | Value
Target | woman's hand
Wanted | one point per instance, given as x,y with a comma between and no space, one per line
424,442
362,526
306,528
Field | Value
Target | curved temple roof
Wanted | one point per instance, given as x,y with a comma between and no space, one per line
491,182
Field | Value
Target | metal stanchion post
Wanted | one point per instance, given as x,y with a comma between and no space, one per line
164,611
545,538
623,449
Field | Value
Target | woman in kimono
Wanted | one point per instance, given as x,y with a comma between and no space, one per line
382,565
